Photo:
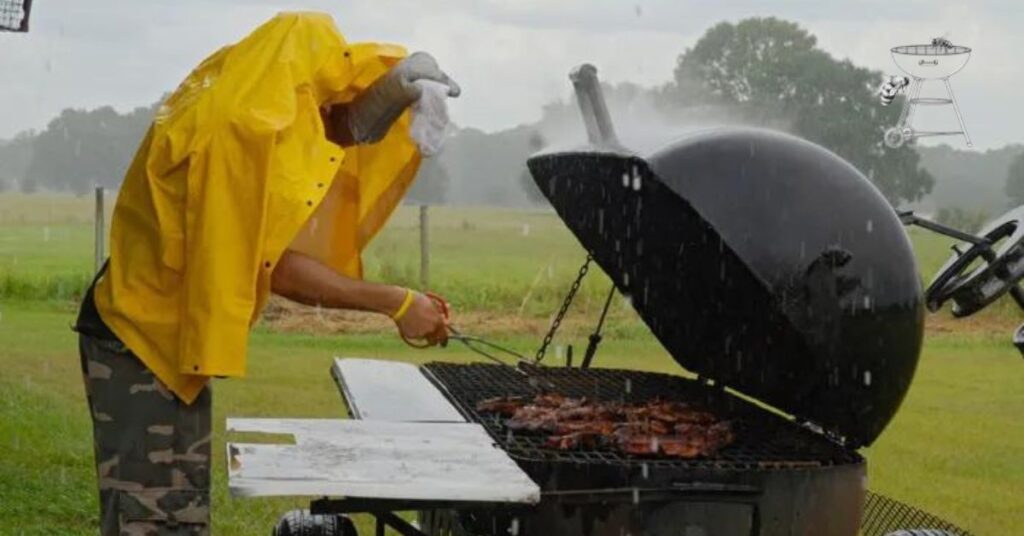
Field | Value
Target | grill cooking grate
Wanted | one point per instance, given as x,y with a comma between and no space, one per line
931,50
764,440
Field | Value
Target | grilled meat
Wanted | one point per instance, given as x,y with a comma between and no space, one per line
573,441
656,428
503,405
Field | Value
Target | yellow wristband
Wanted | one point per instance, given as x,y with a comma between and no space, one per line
406,303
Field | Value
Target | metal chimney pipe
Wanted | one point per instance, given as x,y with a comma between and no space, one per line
590,98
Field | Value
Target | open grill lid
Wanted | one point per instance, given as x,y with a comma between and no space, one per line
759,260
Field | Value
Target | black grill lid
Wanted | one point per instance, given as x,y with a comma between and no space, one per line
759,260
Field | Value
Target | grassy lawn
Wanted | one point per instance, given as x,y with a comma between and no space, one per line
956,448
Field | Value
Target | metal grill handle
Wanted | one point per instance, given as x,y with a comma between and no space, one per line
590,98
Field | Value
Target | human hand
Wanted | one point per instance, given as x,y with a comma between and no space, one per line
424,319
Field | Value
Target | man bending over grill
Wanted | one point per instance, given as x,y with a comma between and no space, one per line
268,170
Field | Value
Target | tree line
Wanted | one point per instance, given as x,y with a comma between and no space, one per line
759,71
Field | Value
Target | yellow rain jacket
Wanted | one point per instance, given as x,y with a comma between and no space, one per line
234,166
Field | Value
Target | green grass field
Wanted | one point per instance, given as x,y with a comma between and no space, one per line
955,448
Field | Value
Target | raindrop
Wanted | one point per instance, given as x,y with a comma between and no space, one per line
625,180
636,492
625,279
513,528
867,302
636,183
629,386
600,221
645,471
871,226
867,378
526,229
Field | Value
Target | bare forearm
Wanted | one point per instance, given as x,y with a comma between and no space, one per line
306,280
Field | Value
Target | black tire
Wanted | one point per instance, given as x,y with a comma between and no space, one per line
303,523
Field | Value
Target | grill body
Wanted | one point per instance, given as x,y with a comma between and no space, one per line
930,61
777,478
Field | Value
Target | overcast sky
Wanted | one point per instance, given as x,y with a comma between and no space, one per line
510,56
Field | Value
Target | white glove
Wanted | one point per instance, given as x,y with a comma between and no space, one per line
372,113
430,117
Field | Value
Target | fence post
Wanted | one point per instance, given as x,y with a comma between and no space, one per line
424,248
101,228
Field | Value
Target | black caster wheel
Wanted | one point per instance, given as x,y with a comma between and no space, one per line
303,523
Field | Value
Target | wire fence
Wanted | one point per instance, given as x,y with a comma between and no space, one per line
884,516
14,15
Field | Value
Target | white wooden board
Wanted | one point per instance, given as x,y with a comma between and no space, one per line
391,391
376,459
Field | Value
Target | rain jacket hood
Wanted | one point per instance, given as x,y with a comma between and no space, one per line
235,170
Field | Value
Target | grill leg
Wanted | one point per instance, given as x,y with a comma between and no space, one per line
959,116
389,519
908,105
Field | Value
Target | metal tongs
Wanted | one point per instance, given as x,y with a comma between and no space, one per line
483,347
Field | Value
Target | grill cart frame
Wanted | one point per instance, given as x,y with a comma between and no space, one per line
447,517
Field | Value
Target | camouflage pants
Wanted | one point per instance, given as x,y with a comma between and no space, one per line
152,450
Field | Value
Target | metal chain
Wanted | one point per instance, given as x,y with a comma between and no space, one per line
565,308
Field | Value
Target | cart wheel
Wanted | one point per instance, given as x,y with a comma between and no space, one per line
895,137
978,275
303,523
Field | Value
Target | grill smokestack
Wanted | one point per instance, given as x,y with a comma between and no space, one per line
598,121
